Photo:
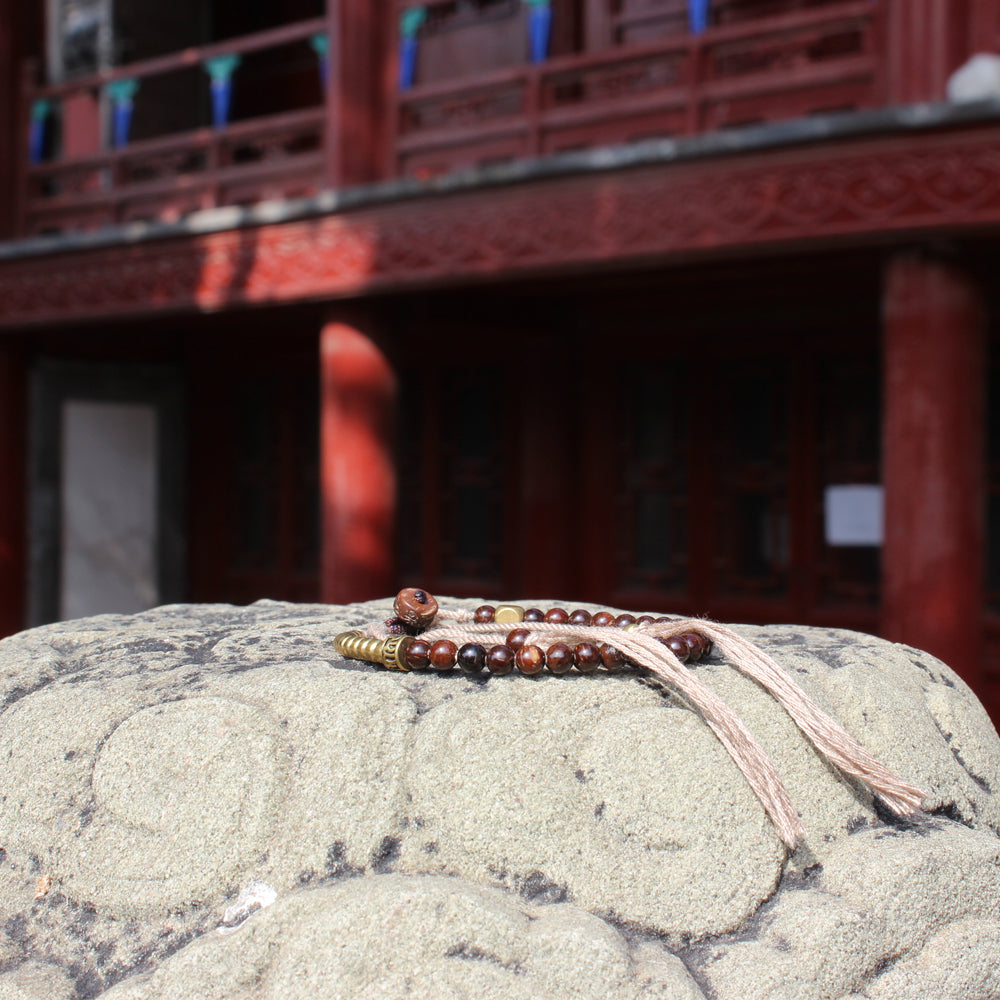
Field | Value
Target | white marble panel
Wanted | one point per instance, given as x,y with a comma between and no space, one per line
109,509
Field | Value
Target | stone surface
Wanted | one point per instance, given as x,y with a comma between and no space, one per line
170,774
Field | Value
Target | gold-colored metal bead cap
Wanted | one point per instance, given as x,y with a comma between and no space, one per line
390,653
394,652
507,614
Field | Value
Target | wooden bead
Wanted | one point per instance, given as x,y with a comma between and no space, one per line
612,659
530,660
559,658
415,606
443,654
534,615
500,660
418,655
517,637
557,616
580,617
483,615
695,644
472,658
645,619
588,657
603,618
678,647
625,620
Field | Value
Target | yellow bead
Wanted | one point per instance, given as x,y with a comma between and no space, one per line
507,614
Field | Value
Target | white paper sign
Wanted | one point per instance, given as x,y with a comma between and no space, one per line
854,515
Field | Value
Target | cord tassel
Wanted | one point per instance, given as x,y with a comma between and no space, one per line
643,644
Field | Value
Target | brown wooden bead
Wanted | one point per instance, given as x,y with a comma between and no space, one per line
415,606
603,618
588,657
517,637
644,619
678,647
483,615
443,654
530,660
418,655
664,618
695,644
557,616
534,615
611,657
580,617
500,660
472,658
625,620
559,658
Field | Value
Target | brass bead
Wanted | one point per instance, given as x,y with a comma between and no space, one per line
506,614
389,653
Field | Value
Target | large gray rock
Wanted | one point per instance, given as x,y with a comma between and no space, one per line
167,775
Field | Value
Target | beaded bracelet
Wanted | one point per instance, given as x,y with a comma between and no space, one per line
421,637
408,651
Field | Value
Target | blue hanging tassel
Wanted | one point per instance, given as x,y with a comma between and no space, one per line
539,29
121,93
221,69
36,134
320,43
410,22
698,15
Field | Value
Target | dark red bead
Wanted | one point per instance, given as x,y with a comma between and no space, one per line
625,620
500,660
664,618
588,657
530,660
678,647
483,615
472,658
611,657
603,618
418,655
534,615
559,658
695,644
443,654
557,616
645,619
707,646
517,637
580,617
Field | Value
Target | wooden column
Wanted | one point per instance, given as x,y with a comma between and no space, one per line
933,460
355,118
13,420
12,144
926,40
357,466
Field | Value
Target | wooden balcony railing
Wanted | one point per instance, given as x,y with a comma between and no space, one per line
645,75
800,62
272,155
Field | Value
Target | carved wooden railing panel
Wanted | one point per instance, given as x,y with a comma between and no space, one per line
163,178
796,61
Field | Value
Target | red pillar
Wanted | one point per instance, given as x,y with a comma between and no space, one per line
355,116
933,464
357,466
926,40
13,582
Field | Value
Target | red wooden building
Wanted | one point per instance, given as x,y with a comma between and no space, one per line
500,297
